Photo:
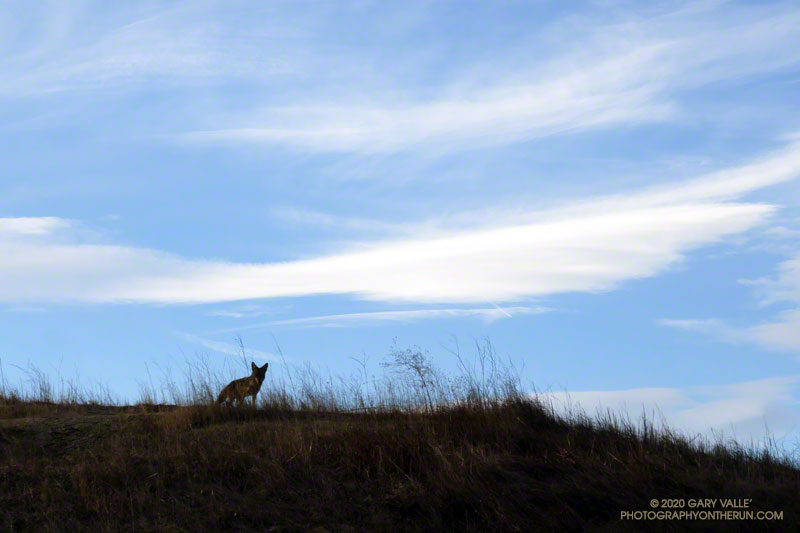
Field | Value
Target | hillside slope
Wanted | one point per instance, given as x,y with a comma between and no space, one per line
502,466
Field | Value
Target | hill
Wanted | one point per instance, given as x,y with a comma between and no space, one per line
505,465
413,449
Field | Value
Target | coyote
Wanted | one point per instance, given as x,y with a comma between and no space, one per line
236,390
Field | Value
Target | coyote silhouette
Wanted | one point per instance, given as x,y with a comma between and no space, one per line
236,390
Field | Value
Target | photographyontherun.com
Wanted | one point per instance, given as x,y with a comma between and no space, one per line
701,509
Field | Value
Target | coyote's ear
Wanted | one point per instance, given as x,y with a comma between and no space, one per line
264,368
253,366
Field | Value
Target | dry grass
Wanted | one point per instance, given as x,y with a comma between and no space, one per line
413,450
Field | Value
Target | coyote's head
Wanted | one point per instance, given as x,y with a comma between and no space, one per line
259,371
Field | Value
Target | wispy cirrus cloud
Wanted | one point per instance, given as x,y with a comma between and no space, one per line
487,314
629,73
227,348
67,47
785,287
308,217
493,116
781,333
242,311
32,225
590,245
711,326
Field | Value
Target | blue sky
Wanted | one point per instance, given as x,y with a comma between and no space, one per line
609,191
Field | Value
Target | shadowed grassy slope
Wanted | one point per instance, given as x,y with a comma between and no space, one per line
412,450
498,465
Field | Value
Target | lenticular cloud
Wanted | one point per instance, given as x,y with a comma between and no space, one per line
589,246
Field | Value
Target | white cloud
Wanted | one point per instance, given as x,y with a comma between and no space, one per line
227,348
777,167
31,225
782,333
69,48
357,224
588,253
28,309
489,315
229,314
242,311
581,100
589,246
786,287
754,409
710,326
621,73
